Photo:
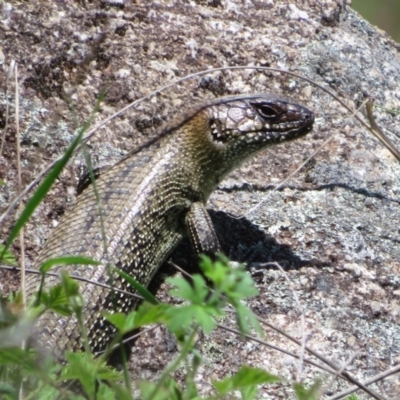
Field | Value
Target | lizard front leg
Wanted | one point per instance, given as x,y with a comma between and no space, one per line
201,231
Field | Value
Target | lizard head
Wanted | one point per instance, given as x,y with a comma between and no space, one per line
229,130
250,123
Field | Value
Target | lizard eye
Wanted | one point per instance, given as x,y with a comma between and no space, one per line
266,111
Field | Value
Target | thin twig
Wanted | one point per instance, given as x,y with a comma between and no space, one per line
21,206
337,373
376,378
331,364
301,310
8,77
128,339
378,132
19,174
273,347
78,278
172,366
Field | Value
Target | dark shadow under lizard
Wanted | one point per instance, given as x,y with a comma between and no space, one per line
241,241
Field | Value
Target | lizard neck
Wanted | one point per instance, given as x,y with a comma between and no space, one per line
207,164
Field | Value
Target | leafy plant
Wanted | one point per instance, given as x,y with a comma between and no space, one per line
82,375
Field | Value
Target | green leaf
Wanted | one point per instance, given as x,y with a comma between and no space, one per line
88,371
215,271
120,392
81,367
180,318
151,314
200,311
249,392
17,356
145,315
46,392
117,319
196,294
136,285
245,378
56,299
312,393
184,316
169,391
123,322
205,318
182,288
107,373
71,286
7,389
67,260
7,257
244,286
235,284
104,392
253,376
246,320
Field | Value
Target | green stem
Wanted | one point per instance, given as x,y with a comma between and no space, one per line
174,365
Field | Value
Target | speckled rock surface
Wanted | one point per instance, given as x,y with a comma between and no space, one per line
334,226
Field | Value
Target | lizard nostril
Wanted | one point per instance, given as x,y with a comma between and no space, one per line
309,117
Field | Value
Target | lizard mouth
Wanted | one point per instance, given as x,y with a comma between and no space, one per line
274,134
287,133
